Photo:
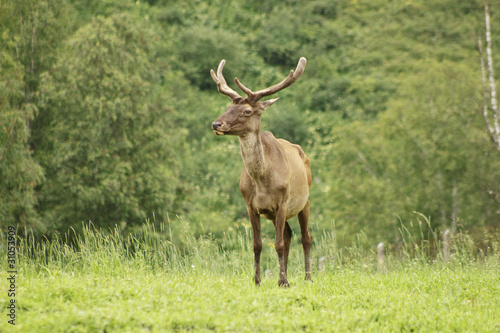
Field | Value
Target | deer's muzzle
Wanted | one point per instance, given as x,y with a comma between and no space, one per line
215,126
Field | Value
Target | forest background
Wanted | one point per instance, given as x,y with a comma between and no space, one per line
106,107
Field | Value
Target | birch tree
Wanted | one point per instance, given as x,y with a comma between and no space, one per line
489,86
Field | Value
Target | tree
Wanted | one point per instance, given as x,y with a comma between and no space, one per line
201,48
425,154
492,125
19,173
103,134
29,31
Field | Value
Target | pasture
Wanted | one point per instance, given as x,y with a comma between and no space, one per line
106,282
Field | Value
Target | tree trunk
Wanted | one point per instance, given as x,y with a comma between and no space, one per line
494,127
454,206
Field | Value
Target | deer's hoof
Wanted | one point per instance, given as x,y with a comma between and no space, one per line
308,277
283,283
257,280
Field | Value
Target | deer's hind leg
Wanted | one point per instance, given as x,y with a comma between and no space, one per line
287,237
306,238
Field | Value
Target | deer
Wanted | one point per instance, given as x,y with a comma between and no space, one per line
276,174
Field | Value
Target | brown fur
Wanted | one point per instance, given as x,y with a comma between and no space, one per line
276,176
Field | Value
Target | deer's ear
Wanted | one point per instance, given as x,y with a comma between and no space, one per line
268,103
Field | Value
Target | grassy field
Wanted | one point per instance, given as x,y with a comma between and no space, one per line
107,283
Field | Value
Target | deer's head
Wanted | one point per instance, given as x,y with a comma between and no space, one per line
243,116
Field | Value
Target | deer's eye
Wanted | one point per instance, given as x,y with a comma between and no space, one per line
248,112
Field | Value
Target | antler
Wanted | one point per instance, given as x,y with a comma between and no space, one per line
253,97
222,84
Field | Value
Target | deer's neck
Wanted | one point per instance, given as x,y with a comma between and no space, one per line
252,152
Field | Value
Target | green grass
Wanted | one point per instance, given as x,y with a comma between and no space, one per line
108,283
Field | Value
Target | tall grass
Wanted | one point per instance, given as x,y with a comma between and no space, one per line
111,252
152,249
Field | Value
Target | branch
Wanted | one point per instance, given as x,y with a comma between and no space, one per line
33,40
367,164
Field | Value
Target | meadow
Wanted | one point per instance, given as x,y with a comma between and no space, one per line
106,282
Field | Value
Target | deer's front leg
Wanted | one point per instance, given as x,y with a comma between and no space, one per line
280,245
257,241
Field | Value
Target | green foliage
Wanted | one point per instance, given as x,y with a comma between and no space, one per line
109,156
288,32
201,49
19,172
290,123
29,31
393,166
278,40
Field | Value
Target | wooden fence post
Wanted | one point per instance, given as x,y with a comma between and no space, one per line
380,255
321,263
